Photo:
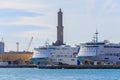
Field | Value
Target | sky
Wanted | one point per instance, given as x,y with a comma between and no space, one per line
22,19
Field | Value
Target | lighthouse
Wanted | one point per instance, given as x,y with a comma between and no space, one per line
59,29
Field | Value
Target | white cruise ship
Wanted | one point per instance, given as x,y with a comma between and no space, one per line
59,55
99,52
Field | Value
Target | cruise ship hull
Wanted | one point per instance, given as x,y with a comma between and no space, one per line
41,61
55,55
99,53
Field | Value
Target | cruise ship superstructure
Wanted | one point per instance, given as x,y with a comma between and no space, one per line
58,53
99,52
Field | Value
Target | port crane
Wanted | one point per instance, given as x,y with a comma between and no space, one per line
29,43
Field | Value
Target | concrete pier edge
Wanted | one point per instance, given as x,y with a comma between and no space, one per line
81,67
64,66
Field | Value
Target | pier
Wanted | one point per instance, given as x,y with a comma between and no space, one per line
80,67
18,66
64,66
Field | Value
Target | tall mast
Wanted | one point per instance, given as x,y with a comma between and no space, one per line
96,36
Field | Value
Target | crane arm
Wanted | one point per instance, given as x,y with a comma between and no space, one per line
29,44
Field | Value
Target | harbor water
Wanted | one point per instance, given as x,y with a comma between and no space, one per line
58,74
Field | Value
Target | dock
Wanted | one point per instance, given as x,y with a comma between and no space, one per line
81,67
18,66
64,66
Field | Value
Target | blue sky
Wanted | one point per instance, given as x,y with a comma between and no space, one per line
22,19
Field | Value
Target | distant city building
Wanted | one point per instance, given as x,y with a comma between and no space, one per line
59,30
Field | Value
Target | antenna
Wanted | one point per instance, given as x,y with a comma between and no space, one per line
93,39
2,40
96,33
17,43
47,42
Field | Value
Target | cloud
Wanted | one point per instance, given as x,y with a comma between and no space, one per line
43,34
34,21
107,4
22,4
13,13
21,28
91,6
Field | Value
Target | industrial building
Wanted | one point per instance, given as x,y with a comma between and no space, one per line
15,57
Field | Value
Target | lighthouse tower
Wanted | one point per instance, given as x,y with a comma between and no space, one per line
59,30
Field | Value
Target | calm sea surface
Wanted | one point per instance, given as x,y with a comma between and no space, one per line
58,74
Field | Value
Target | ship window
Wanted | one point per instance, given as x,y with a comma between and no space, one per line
52,55
107,54
53,60
58,55
116,46
38,63
119,58
117,54
111,46
60,60
106,58
72,59
65,55
114,54
110,54
61,55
